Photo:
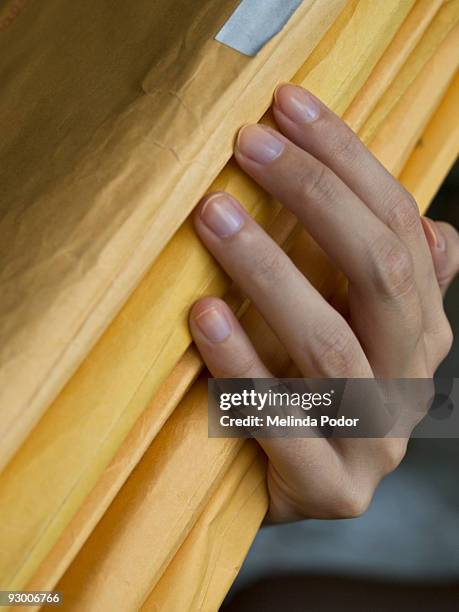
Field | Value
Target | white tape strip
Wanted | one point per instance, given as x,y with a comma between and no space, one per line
254,23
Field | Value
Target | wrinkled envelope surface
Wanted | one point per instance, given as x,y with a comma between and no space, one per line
115,117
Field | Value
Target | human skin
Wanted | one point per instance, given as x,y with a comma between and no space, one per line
398,266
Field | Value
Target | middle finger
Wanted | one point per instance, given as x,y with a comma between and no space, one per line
317,338
376,262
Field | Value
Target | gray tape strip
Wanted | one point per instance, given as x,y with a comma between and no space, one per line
254,23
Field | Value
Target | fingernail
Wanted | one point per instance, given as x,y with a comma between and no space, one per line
221,216
434,234
296,103
213,324
259,145
441,241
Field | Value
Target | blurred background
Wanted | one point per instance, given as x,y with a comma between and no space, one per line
403,554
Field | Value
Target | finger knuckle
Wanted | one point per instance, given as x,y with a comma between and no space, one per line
269,267
446,271
351,502
334,351
445,339
242,367
393,268
445,278
316,184
391,454
403,215
346,145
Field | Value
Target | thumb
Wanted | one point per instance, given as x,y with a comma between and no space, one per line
443,241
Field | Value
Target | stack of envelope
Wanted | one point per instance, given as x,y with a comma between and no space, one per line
116,118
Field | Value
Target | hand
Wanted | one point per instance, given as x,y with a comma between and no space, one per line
395,263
